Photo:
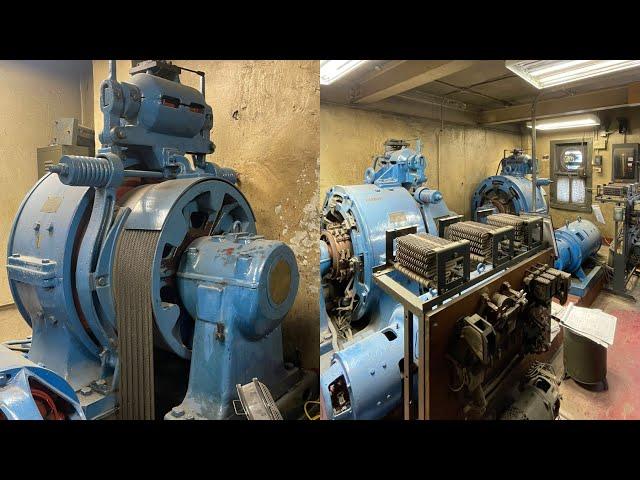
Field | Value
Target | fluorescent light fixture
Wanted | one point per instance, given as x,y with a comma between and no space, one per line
548,73
332,70
574,121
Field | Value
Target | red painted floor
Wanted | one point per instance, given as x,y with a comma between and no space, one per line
622,400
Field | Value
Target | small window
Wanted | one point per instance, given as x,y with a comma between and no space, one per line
571,174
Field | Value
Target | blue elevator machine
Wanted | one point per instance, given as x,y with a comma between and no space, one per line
144,256
361,327
510,191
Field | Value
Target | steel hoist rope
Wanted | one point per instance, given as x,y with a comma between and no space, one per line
132,277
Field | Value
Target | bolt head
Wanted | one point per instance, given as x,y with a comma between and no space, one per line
102,281
85,391
372,372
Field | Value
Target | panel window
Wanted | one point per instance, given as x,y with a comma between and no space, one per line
570,168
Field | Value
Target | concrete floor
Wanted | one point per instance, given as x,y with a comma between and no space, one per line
622,400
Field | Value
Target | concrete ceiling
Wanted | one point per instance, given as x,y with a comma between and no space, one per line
481,92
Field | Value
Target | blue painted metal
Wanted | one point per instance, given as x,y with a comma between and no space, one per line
580,286
62,246
392,197
576,242
18,375
233,286
403,167
375,210
167,207
511,190
371,370
47,227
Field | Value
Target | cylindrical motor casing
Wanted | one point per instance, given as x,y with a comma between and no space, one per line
584,360
576,242
516,189
266,271
371,370
374,210
182,120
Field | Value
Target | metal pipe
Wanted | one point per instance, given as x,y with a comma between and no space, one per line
112,70
534,161
202,83
143,174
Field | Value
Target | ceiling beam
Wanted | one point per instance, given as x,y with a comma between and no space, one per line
406,75
626,96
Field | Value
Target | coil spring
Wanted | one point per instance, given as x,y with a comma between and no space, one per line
83,171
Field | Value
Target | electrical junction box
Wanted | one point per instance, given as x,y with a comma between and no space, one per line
624,158
67,131
600,144
69,138
53,153
597,163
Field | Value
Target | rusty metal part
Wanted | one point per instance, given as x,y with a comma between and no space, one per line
433,262
482,340
417,254
501,200
539,397
486,240
443,400
527,229
340,249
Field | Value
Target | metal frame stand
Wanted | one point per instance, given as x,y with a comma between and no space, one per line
413,305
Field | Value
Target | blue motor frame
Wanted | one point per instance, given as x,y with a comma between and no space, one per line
577,242
24,385
393,196
511,190
62,249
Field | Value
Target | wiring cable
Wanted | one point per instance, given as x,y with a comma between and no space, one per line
306,412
